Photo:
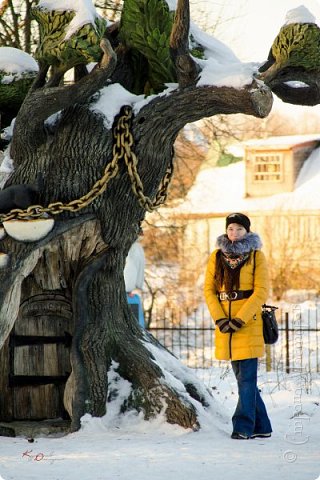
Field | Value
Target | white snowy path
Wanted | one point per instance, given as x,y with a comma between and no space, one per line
141,450
122,455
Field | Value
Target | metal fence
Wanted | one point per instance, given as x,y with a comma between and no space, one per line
190,337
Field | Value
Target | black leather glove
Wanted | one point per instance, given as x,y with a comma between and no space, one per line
223,324
235,324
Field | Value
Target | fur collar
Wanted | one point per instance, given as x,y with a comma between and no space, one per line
250,242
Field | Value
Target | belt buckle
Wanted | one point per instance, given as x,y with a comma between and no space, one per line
223,296
232,295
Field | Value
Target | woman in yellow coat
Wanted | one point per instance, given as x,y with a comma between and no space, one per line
236,285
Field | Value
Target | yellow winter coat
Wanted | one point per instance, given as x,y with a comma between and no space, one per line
248,341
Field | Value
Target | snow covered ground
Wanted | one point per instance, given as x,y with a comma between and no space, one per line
133,449
129,448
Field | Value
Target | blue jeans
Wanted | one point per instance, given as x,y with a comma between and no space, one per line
250,415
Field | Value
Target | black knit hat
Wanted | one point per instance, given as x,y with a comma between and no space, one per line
239,218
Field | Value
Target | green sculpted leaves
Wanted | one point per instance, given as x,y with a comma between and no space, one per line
13,93
145,28
298,45
57,49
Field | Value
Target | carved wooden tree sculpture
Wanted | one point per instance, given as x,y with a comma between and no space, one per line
82,259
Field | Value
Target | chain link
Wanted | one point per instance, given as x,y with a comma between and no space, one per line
122,148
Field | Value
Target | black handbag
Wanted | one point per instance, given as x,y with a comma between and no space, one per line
270,325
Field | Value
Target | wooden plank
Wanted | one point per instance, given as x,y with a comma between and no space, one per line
51,359
42,326
6,394
38,403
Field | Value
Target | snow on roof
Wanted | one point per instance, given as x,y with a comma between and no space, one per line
285,141
222,189
85,12
15,62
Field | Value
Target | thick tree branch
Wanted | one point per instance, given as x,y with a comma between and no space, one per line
40,104
187,69
171,113
296,86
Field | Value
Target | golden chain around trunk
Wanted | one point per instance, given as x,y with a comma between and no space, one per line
121,149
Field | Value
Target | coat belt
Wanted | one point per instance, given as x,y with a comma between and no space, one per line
234,295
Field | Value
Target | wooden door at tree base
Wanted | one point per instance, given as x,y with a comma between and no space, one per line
39,357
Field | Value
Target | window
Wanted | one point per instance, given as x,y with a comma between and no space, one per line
267,168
